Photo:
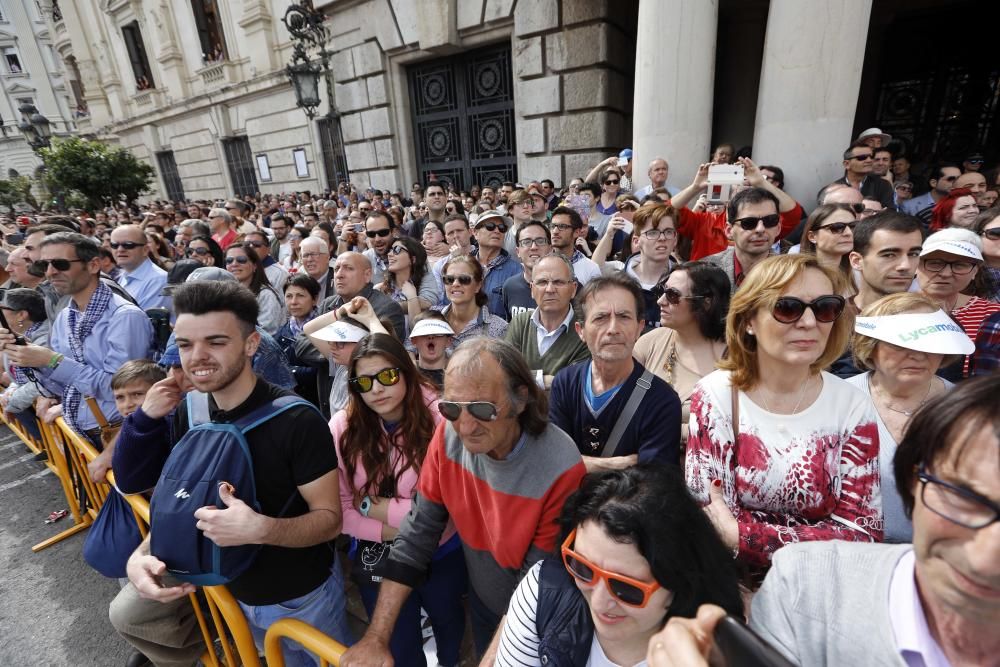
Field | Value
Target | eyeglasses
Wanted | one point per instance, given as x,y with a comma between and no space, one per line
959,267
381,233
992,234
295,237
956,504
386,377
563,227
525,204
57,264
974,161
527,243
611,182
626,590
838,227
674,296
862,158
490,226
462,280
255,244
398,249
544,283
241,259
908,188
657,234
750,223
484,411
198,251
311,255
790,309
128,245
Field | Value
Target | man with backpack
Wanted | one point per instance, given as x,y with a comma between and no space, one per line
234,444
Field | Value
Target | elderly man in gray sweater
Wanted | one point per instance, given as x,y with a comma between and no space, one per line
933,603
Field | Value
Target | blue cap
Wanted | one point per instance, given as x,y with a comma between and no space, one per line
171,355
627,154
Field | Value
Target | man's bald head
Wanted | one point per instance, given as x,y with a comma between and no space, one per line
351,273
841,194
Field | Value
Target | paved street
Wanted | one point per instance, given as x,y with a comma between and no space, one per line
54,609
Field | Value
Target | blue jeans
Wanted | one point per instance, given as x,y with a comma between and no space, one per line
324,608
441,596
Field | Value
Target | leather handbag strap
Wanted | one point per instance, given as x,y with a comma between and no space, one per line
642,385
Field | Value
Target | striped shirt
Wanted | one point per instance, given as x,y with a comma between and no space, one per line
971,316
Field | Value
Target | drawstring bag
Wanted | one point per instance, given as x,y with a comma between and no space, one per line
112,537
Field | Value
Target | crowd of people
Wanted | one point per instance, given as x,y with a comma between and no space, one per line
592,421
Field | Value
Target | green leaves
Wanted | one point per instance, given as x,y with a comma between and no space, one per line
102,174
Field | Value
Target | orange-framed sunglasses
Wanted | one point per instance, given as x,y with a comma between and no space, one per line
626,590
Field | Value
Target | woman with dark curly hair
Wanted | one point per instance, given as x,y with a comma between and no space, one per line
636,551
381,440
204,249
407,279
246,267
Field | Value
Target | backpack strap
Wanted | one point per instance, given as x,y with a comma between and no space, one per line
197,409
270,410
642,385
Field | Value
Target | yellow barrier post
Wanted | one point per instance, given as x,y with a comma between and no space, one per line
81,521
326,648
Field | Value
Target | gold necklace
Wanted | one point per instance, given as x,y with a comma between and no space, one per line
885,398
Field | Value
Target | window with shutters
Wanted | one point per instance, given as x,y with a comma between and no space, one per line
136,49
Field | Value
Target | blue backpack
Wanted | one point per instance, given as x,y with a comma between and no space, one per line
208,455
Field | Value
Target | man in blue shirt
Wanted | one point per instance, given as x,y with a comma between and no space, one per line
91,338
589,398
140,277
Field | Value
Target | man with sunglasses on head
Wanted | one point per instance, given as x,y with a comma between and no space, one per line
501,473
754,226
616,411
90,339
710,231
139,276
498,265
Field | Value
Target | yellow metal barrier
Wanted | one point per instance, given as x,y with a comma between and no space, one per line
327,649
56,448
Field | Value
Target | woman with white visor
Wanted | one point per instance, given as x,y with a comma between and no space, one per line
902,340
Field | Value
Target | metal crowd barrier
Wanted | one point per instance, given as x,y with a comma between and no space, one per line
327,649
67,455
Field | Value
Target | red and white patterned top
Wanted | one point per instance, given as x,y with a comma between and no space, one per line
792,478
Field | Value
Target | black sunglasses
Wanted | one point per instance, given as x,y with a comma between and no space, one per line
612,182
674,296
750,223
838,227
991,234
198,251
386,377
128,245
241,259
481,410
398,249
382,233
462,280
58,264
826,309
862,158
490,226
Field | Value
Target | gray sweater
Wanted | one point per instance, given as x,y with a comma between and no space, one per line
827,603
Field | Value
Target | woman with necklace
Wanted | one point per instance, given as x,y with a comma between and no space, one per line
690,340
901,378
780,451
949,261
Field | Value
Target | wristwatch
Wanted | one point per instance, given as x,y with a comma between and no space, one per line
365,507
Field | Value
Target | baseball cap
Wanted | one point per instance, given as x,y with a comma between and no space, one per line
171,355
432,327
178,273
956,241
626,153
488,215
340,332
209,273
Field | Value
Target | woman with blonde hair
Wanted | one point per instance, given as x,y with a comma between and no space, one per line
779,450
901,367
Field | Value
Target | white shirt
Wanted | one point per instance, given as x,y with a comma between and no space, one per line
910,631
546,338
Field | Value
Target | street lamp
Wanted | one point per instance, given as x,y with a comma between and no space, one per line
35,127
306,26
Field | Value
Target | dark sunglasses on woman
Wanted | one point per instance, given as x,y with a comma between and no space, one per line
386,377
241,259
674,296
826,309
198,251
462,280
484,411
838,227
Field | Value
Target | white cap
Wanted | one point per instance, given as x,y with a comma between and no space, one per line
487,215
924,332
432,327
956,241
875,132
340,332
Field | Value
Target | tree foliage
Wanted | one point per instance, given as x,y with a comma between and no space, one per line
16,191
103,174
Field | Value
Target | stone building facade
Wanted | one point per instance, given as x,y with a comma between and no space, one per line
478,91
30,72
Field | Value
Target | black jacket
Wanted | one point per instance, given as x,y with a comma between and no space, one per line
563,622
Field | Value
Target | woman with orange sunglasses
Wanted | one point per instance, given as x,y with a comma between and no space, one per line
636,550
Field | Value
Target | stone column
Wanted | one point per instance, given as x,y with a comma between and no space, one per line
674,84
813,55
